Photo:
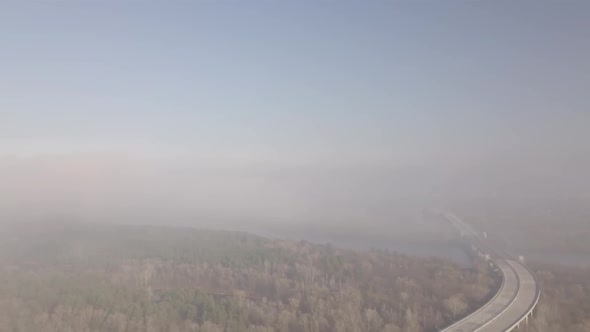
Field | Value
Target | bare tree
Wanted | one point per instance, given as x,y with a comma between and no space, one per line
456,305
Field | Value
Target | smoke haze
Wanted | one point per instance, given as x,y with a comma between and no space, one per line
233,115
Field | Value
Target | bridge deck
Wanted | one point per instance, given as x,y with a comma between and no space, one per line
495,307
520,306
513,301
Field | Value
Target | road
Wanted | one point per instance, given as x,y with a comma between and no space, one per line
512,303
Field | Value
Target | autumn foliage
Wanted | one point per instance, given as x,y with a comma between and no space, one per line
124,278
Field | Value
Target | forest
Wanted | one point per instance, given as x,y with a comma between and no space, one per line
95,277
565,298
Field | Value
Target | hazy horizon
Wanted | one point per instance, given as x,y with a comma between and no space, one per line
279,112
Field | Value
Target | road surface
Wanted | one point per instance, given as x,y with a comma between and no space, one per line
512,303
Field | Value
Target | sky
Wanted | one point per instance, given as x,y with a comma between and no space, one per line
288,111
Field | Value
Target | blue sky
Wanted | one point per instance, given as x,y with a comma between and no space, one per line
310,85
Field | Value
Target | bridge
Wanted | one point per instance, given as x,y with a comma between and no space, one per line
515,300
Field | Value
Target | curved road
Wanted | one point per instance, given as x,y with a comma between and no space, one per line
515,300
